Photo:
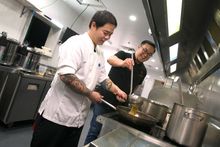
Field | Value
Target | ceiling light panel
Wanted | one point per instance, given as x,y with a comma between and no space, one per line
173,68
132,18
174,10
173,50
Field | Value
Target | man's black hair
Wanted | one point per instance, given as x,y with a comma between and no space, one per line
150,43
103,17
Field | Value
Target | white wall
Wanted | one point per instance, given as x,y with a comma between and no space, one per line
12,23
108,51
148,85
16,25
64,14
10,19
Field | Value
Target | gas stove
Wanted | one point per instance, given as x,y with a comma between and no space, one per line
152,135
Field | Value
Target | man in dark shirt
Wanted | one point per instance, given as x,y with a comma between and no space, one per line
120,74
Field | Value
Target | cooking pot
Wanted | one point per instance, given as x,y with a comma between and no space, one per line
139,118
187,126
212,136
155,109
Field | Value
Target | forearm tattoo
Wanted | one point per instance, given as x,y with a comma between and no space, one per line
107,84
75,84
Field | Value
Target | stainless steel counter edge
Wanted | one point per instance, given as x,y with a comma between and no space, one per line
8,69
105,120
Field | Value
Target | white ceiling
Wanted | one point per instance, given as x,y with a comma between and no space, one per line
127,33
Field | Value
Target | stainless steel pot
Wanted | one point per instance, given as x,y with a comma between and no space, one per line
155,109
212,136
187,126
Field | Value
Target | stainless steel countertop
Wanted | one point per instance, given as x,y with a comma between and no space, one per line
8,69
116,134
22,72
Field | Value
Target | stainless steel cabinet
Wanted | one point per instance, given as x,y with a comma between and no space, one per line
21,97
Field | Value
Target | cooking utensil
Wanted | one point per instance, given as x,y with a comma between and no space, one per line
132,98
138,119
107,103
131,83
187,126
180,90
155,109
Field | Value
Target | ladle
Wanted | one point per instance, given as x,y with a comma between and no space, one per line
131,83
132,98
180,90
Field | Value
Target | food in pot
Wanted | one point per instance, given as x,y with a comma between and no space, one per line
133,111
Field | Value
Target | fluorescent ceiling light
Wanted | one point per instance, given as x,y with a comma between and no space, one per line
147,76
149,31
173,68
176,78
132,18
199,58
173,50
218,83
152,60
206,55
174,9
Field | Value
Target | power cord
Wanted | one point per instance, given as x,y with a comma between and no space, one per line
79,16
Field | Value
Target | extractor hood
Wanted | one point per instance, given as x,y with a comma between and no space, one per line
196,31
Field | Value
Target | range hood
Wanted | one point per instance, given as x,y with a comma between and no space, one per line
198,37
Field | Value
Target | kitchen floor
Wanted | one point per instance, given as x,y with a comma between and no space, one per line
20,134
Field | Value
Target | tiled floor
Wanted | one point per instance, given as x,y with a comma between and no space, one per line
20,134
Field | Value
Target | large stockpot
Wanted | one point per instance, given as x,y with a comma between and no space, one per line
187,126
155,109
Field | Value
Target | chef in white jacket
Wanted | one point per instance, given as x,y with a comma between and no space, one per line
80,68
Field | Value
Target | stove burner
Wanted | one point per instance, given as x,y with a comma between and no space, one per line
155,131
145,129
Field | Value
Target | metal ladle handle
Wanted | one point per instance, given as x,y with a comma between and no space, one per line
107,103
132,71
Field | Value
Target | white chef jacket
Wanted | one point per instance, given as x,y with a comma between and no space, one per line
76,56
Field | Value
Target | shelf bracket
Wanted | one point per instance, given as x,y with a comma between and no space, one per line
24,10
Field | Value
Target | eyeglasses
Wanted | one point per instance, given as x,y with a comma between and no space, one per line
145,50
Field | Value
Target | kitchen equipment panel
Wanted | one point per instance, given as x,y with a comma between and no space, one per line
21,97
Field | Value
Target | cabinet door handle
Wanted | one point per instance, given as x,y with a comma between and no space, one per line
33,87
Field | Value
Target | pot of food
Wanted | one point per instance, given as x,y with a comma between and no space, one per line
155,109
187,126
133,115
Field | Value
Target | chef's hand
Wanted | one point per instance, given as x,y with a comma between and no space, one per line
121,96
95,97
128,63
